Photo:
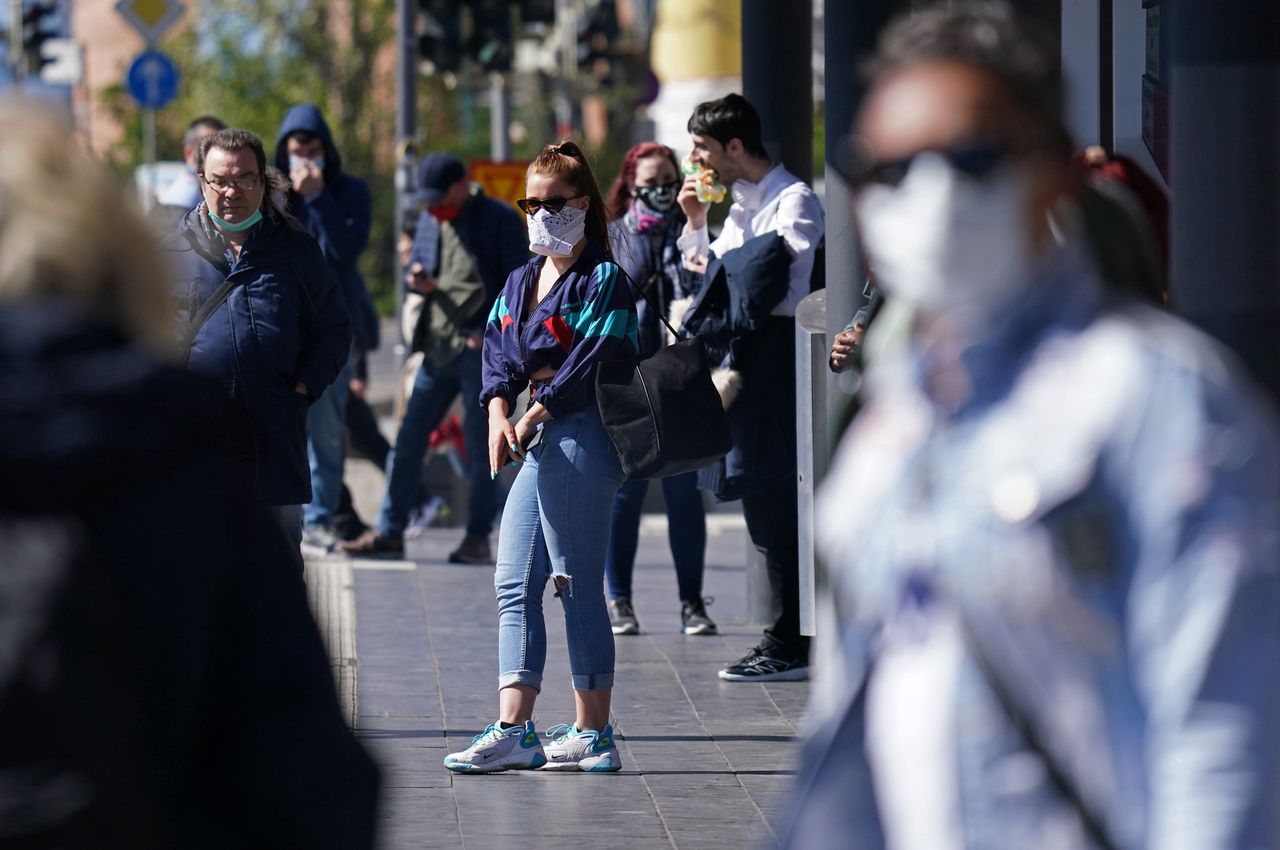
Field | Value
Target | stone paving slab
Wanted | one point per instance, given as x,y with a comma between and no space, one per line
706,764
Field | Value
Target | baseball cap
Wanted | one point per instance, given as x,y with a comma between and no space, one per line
436,173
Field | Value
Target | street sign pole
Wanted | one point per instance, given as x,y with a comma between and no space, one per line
149,150
499,119
17,62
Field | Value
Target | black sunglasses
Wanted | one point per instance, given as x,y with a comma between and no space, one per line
554,204
973,160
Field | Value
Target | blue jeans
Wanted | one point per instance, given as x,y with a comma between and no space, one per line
434,390
326,447
556,523
686,532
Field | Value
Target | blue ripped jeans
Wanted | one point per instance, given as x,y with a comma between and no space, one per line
556,523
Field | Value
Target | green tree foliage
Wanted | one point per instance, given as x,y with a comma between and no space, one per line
247,62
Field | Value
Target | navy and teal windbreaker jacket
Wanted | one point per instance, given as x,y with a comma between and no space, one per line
588,317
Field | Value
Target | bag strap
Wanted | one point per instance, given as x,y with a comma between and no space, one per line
1062,783
207,309
652,306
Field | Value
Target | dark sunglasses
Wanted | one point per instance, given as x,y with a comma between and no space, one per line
975,160
554,204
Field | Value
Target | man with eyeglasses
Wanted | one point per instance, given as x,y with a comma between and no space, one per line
260,313
1053,567
464,247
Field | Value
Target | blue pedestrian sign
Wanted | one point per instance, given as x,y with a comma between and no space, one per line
152,79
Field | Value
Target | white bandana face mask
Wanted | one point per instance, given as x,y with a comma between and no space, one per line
556,234
946,242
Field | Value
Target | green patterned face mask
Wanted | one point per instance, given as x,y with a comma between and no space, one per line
223,224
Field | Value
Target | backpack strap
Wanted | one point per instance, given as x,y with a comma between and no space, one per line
207,309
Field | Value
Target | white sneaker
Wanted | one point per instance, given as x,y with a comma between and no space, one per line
318,541
589,750
494,749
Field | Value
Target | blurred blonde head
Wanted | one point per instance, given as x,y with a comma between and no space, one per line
69,234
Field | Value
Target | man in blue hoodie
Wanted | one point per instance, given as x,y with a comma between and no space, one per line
336,209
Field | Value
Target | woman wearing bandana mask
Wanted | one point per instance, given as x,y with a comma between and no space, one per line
559,316
645,222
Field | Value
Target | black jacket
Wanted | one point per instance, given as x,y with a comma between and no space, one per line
162,683
732,315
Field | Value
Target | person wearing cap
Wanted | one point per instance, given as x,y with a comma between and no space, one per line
462,253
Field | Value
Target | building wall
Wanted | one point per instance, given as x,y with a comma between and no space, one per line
110,44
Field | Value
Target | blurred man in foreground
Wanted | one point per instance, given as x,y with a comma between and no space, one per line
1052,532
162,683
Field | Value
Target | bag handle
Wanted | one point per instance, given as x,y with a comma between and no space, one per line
652,306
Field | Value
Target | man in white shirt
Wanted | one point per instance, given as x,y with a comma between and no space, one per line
767,199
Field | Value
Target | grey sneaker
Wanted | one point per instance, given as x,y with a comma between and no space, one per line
693,614
622,617
318,541
494,749
587,750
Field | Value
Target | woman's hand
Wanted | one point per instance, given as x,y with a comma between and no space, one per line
502,436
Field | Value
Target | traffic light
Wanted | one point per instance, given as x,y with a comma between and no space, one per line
596,32
39,24
441,39
490,42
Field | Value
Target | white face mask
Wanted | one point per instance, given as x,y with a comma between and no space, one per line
947,242
556,235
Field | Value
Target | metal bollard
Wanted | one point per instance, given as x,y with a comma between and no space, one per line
811,439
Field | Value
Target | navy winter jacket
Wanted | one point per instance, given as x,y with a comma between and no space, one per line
338,217
283,322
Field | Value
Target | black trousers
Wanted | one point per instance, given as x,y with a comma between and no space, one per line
773,527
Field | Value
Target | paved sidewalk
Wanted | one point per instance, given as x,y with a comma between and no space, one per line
706,764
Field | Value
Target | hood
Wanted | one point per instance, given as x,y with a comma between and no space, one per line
307,117
80,406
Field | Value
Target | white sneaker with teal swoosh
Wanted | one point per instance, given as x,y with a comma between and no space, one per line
495,749
581,749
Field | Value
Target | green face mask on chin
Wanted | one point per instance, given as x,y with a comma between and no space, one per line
232,227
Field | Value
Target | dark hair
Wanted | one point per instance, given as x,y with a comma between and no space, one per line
275,184
566,161
302,137
189,138
989,36
620,193
730,117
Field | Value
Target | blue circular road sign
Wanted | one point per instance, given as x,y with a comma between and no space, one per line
152,79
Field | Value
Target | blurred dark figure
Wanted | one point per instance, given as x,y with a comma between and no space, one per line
259,312
162,683
336,208
1051,534
1126,221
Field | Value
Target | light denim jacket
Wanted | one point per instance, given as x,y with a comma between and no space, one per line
1104,512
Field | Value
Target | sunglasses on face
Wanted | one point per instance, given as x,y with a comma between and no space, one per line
554,204
972,160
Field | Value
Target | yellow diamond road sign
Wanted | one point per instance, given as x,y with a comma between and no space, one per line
151,17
